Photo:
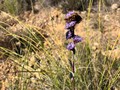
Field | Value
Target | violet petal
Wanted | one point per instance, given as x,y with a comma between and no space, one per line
69,14
69,34
77,39
70,46
70,24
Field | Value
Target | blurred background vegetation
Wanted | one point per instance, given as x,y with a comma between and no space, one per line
18,6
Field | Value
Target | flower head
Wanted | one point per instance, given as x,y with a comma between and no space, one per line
72,16
71,46
70,24
77,39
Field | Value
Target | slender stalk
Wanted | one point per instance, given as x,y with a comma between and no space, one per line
73,70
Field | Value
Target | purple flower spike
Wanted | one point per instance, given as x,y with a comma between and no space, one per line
70,24
77,39
69,14
71,46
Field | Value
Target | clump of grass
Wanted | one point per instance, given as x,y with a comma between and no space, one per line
11,6
16,7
